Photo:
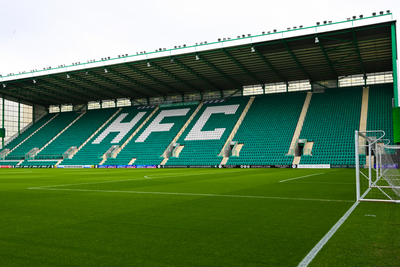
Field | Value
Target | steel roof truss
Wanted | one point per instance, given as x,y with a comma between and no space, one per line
270,66
297,61
175,77
96,85
220,72
79,87
234,60
56,95
115,83
62,89
359,54
129,79
196,74
148,76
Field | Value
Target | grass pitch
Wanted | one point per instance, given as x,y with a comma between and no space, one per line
190,217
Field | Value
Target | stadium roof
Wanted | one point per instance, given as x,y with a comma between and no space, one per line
319,53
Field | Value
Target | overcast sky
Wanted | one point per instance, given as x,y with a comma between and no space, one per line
43,33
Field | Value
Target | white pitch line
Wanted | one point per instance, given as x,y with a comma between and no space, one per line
189,194
319,183
301,177
116,181
311,255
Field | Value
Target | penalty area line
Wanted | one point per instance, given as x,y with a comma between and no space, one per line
311,255
301,177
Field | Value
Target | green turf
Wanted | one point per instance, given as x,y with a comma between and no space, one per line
185,217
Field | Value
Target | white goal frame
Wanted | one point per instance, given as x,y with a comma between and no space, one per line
379,179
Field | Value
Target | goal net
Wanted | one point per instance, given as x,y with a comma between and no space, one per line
377,167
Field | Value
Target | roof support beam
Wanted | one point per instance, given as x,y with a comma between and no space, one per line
327,58
270,66
234,60
5,90
115,83
80,87
129,79
196,74
174,77
359,55
97,86
394,64
148,76
220,72
81,96
21,89
58,96
297,61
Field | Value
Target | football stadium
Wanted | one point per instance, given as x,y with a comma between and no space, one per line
276,149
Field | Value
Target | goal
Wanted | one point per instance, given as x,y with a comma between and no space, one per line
377,167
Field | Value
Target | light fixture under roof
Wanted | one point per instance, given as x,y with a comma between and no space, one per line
171,61
197,57
34,81
252,50
105,70
148,64
4,86
67,76
316,39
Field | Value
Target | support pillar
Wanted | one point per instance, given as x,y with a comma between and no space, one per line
394,63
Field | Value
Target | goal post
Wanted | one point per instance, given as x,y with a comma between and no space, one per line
377,168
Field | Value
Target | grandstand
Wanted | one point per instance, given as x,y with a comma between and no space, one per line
274,100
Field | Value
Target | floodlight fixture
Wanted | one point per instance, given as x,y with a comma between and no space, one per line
269,32
219,39
374,14
184,45
243,35
288,29
197,57
252,50
317,23
348,19
4,86
34,81
249,35
361,16
67,76
381,12
354,17
238,36
263,32
275,30
316,39
325,22
294,28
330,21
148,64
105,70
388,11
301,26
205,42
